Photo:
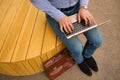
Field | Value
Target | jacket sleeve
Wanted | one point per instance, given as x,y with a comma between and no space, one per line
84,2
48,8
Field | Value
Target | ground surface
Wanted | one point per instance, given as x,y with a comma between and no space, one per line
107,57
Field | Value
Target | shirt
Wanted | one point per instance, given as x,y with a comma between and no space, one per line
50,6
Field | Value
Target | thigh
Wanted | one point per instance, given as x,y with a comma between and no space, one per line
94,36
72,43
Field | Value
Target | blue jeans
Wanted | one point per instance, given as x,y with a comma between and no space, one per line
74,45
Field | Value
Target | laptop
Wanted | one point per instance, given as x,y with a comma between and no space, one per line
80,27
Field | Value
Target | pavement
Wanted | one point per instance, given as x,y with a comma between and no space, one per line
107,56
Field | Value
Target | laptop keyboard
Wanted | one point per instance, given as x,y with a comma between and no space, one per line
77,28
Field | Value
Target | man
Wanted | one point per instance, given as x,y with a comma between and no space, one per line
57,14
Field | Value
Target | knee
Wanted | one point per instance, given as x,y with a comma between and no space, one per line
75,46
76,51
97,43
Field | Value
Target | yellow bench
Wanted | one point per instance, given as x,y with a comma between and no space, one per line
26,38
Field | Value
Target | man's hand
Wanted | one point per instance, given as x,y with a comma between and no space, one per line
85,15
66,24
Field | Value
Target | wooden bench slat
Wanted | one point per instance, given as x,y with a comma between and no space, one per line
49,42
43,58
37,37
23,68
4,6
6,68
34,65
51,53
2,71
1,1
58,42
25,35
39,63
16,68
10,42
10,69
6,25
28,67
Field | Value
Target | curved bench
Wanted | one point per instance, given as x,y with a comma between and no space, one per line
26,38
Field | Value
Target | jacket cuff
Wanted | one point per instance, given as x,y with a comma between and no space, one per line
84,2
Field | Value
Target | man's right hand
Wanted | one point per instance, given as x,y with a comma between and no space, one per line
66,24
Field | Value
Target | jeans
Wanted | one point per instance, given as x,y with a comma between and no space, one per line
74,45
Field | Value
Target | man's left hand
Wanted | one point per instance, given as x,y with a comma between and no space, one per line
86,16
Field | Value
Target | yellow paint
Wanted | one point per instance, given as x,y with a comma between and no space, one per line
26,38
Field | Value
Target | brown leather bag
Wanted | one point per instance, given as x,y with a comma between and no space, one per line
58,64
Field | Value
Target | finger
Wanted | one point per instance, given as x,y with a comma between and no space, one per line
61,28
89,20
79,19
71,26
70,29
65,29
86,21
